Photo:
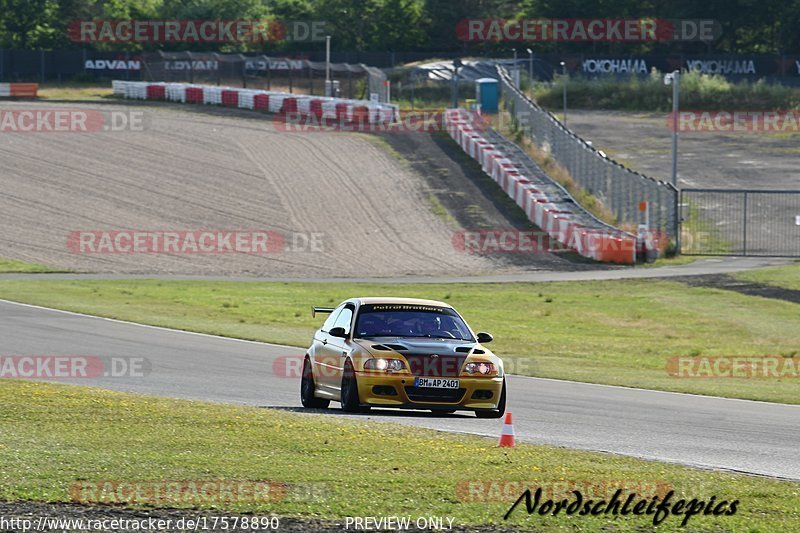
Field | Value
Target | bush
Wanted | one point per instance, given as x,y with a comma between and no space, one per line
697,91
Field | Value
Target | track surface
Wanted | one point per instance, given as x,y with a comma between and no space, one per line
739,435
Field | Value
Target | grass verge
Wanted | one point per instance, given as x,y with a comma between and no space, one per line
787,277
12,266
669,261
52,436
614,332
78,92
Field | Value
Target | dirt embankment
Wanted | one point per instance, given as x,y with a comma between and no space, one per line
368,210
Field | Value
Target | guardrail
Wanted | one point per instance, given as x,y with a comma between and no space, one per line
546,203
269,101
19,90
620,189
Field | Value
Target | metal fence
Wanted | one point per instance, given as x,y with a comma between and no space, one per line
740,222
619,188
265,72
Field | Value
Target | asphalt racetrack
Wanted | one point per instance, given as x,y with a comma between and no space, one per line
738,435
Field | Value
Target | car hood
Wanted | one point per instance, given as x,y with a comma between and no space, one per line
414,346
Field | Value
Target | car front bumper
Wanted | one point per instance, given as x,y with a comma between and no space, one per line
474,393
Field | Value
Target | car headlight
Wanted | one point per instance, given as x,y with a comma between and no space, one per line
480,368
387,365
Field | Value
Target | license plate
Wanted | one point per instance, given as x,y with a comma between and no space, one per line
436,383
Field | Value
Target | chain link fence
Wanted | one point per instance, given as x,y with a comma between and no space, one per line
358,82
620,189
741,222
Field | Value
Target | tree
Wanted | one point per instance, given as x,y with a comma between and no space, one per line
30,24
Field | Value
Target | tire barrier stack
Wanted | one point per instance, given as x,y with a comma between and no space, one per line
546,203
621,189
19,90
317,107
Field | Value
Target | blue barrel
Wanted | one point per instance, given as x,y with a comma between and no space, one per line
487,94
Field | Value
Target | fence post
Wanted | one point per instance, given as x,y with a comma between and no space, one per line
678,222
744,226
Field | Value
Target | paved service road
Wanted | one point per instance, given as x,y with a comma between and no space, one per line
740,435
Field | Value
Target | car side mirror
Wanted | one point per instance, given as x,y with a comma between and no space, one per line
484,337
338,332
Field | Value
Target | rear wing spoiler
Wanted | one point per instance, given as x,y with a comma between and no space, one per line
315,310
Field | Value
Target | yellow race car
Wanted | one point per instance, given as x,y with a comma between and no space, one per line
403,353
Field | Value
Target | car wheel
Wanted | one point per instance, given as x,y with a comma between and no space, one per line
501,406
350,401
307,387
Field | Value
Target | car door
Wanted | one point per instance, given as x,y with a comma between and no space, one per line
339,347
325,365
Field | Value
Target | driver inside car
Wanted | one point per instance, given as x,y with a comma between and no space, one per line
431,326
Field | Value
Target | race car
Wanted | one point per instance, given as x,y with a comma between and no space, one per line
403,353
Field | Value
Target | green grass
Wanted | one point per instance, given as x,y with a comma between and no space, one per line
669,261
74,91
784,276
52,436
699,235
438,209
614,332
8,266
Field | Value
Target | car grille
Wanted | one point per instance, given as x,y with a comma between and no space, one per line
426,394
444,366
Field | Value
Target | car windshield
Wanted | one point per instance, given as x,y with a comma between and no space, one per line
410,320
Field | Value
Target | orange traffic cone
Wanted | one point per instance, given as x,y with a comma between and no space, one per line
507,435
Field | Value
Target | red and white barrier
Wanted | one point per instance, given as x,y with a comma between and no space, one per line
19,90
569,228
272,102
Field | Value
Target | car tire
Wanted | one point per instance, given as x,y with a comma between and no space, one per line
307,388
501,406
349,394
